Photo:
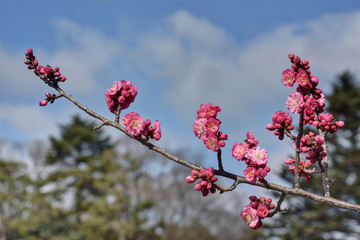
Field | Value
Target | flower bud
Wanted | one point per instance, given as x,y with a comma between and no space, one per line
43,103
253,198
190,179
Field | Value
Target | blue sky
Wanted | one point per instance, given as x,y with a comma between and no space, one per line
179,54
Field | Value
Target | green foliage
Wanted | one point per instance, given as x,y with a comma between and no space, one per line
86,187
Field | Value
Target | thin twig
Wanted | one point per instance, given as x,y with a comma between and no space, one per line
232,187
221,168
117,114
287,132
278,206
297,154
325,178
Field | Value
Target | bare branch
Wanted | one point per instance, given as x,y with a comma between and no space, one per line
297,156
278,206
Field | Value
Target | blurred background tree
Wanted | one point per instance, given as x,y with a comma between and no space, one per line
85,186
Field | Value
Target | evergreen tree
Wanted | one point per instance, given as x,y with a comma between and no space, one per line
15,186
90,189
311,220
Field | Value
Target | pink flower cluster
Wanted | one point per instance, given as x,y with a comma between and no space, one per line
280,121
304,167
257,210
254,157
309,101
206,127
47,73
327,123
135,124
207,179
312,145
121,93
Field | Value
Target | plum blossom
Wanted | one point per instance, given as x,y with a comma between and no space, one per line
251,139
250,216
250,174
257,156
288,78
206,184
295,102
262,211
208,110
239,150
302,78
121,93
206,127
134,123
199,128
155,131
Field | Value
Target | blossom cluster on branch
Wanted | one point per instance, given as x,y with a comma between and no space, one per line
307,102
257,210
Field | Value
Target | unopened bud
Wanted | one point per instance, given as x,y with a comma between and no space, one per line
43,103
29,51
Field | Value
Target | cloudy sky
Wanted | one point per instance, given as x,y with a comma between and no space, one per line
180,54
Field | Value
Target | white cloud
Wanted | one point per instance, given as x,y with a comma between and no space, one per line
15,78
200,62
85,53
196,62
81,54
28,121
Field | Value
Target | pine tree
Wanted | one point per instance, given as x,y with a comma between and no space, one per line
90,189
15,185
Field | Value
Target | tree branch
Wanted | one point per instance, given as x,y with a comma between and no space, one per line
238,179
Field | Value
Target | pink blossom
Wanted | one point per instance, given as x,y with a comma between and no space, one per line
261,173
114,90
251,139
281,120
288,77
207,179
239,150
250,216
156,134
262,211
212,125
211,142
199,128
250,174
295,102
310,106
321,101
257,156
302,78
208,110
121,92
134,123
